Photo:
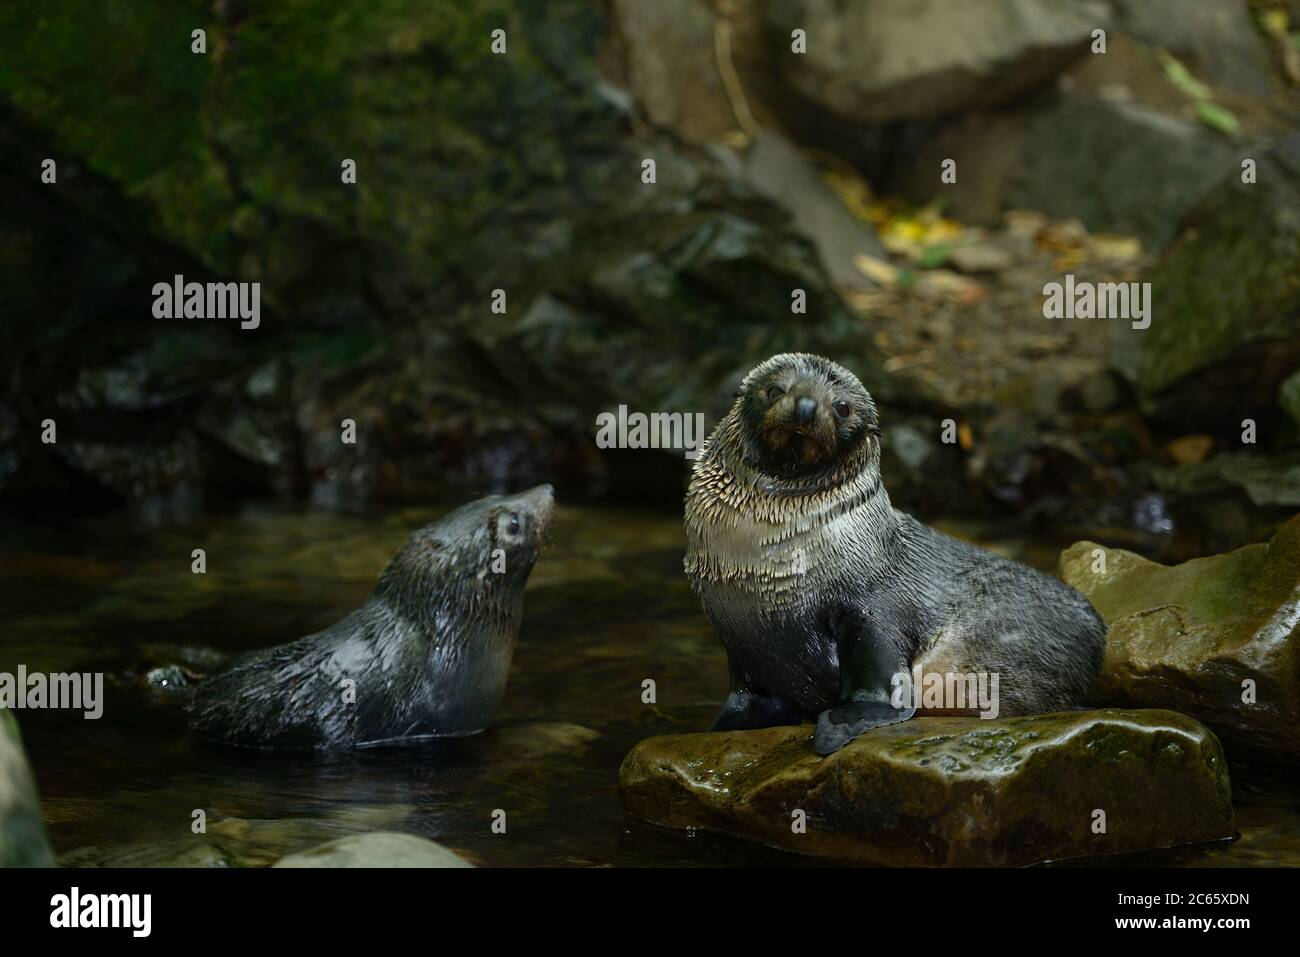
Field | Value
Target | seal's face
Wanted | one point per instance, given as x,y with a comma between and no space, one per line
802,414
485,548
517,527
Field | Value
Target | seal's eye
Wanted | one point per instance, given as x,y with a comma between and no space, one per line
514,523
842,409
774,392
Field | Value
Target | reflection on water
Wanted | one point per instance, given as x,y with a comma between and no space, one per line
607,608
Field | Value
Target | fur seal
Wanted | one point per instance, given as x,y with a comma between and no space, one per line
823,593
427,655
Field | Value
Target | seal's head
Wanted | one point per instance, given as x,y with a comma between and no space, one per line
803,417
480,553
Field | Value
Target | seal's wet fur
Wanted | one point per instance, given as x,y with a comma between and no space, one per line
822,592
427,654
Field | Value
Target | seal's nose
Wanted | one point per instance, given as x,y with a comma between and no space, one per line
541,502
804,410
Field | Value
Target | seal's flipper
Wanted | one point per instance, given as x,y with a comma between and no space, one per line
871,653
836,727
744,710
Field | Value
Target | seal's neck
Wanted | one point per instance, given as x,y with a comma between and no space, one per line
440,594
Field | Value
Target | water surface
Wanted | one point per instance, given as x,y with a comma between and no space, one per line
607,608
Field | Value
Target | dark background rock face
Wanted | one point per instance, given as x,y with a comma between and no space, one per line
522,172
476,173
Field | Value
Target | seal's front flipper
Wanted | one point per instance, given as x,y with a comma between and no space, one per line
871,653
744,710
838,726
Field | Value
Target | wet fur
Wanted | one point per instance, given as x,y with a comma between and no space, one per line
429,651
799,564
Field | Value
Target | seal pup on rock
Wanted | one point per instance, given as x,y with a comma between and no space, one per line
427,655
826,597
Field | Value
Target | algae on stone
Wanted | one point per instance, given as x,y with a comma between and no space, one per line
1216,637
947,791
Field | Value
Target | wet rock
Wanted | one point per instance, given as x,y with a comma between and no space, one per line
22,832
947,791
182,853
378,849
894,59
1225,305
1216,637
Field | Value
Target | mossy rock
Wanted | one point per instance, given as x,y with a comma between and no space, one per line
1192,636
1226,303
947,791
22,832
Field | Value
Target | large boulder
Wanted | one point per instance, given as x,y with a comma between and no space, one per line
22,832
947,791
1216,637
902,59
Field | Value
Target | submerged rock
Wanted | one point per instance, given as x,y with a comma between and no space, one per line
22,832
1216,637
379,849
181,853
947,791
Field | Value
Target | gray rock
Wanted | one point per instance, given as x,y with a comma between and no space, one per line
899,59
1216,39
670,65
378,849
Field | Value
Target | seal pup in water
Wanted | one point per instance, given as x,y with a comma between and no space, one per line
427,655
826,597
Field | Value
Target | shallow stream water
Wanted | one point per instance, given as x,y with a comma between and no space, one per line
607,608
